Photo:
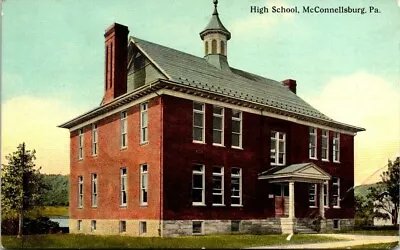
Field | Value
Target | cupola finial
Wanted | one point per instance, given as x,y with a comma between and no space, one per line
215,7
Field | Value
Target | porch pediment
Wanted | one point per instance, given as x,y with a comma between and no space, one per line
303,172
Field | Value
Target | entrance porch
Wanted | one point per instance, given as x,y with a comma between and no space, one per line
283,180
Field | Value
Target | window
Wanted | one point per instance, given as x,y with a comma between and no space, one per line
336,224
214,46
326,194
312,195
80,143
143,122
93,225
222,47
218,186
235,226
325,145
142,227
236,187
206,48
336,192
94,190
198,122
278,147
312,143
236,129
143,184
79,225
336,147
122,226
123,187
124,130
198,185
197,227
94,139
80,191
218,125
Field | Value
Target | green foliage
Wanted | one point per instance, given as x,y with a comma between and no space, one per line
40,225
57,194
21,183
364,211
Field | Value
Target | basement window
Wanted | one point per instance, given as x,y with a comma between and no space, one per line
142,227
197,227
79,225
93,225
235,226
122,226
336,224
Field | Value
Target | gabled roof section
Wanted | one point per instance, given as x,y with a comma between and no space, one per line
302,171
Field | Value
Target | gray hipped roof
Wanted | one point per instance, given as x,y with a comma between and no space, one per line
193,71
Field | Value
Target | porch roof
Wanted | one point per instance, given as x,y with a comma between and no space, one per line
302,172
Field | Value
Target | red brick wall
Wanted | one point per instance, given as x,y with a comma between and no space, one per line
107,165
180,153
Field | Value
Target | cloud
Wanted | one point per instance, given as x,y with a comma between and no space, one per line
34,121
371,102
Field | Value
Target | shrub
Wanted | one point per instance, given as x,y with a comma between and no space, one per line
40,225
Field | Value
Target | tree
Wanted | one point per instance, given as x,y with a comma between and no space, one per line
387,197
21,184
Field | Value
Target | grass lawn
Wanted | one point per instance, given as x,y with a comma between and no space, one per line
212,241
376,246
54,211
370,232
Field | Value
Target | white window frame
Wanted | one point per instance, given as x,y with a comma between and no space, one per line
144,135
201,227
124,129
337,186
144,184
219,130
94,140
93,225
275,152
311,201
142,227
336,147
94,190
325,138
123,187
236,176
201,112
202,173
80,191
122,226
240,120
80,144
326,193
218,192
312,143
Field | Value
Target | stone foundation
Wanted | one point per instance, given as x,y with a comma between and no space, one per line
344,224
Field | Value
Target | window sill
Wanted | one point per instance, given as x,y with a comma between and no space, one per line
124,148
313,158
199,204
336,207
123,206
80,159
94,206
218,205
199,142
336,161
143,205
218,145
325,160
240,148
313,207
236,205
144,143
94,155
326,207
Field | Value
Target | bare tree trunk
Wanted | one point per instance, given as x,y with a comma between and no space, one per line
20,219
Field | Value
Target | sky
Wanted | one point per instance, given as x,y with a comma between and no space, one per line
346,65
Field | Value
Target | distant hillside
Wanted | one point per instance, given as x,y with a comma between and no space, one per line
57,195
362,190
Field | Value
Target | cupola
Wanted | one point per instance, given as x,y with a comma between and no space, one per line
215,37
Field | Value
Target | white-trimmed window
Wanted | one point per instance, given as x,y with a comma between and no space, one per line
218,125
198,190
93,225
278,148
326,194
218,186
143,122
79,225
198,122
312,194
336,147
236,187
197,227
80,144
80,191
236,129
94,139
312,143
122,226
143,184
336,192
124,187
94,190
124,129
142,227
325,145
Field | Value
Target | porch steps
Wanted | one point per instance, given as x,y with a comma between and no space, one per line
301,228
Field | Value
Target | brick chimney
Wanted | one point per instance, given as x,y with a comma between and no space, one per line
291,84
116,40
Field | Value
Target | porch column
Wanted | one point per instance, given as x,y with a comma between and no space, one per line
291,200
321,201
